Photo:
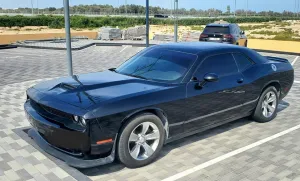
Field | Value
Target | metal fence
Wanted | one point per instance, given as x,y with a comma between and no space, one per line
115,12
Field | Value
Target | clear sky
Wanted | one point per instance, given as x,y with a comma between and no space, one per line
256,5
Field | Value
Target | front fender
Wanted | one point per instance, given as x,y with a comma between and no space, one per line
157,111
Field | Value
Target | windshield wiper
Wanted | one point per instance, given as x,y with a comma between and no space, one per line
137,76
113,70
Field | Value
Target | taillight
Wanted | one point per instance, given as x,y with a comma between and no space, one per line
228,36
203,36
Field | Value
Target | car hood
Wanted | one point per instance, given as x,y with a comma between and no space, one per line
86,90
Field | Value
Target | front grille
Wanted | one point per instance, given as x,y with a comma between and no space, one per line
57,112
53,111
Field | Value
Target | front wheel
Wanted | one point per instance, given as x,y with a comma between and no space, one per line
141,141
266,108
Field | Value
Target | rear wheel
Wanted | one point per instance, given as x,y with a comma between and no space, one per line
266,108
141,140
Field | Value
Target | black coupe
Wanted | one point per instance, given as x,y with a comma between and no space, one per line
163,93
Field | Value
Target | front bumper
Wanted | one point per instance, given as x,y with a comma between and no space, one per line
70,160
67,145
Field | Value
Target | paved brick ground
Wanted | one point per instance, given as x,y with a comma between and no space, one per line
278,159
81,43
23,64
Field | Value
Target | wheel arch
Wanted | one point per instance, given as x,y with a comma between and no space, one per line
156,111
274,83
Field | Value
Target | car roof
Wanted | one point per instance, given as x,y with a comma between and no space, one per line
198,47
219,24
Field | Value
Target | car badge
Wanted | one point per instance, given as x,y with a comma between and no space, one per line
274,67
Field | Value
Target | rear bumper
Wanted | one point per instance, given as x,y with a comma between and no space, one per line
73,147
225,42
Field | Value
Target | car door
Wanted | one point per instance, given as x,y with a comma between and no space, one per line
247,90
213,102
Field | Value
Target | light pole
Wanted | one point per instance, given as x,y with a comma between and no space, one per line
298,8
32,7
37,4
119,6
175,20
171,7
126,7
147,23
68,37
247,9
234,7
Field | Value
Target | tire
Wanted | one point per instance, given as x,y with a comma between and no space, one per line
128,152
262,113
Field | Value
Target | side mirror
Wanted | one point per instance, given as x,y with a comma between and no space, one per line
211,77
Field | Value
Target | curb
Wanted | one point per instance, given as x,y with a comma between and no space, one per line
126,44
55,48
6,46
85,46
277,52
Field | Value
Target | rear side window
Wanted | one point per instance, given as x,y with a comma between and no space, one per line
235,29
238,29
242,61
216,29
222,65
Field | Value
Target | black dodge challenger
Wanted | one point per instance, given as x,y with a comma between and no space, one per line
162,94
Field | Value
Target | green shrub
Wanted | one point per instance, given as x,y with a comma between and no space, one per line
56,23
254,27
95,22
197,28
265,32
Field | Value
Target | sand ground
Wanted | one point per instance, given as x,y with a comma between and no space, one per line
13,34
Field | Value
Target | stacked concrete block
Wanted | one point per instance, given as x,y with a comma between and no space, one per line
163,37
133,33
191,36
108,33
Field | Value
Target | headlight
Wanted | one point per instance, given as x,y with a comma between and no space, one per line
79,120
76,119
83,122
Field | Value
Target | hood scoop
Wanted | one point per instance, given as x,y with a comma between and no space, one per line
68,86
65,86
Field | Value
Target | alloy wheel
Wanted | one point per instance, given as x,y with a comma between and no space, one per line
143,141
269,104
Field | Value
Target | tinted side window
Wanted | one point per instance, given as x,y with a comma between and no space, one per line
233,29
242,61
222,65
237,29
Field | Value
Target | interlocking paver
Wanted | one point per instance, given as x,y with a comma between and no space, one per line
24,175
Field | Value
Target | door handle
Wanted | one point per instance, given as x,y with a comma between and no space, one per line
241,80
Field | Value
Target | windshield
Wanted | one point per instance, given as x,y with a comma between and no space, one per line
216,29
158,64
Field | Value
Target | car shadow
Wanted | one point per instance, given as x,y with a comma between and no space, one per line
117,166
